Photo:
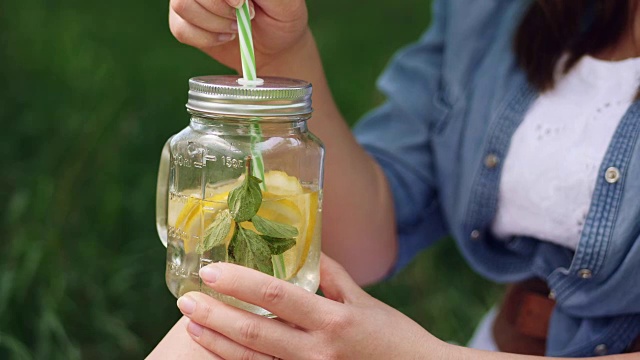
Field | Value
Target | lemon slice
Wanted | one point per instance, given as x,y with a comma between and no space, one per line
188,212
283,211
280,184
186,224
308,203
284,201
189,218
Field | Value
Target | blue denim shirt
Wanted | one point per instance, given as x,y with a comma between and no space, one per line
456,97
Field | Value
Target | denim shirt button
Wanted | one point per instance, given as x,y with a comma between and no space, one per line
601,350
475,235
491,161
612,175
585,274
552,295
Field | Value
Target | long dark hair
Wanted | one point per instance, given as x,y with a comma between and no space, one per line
552,28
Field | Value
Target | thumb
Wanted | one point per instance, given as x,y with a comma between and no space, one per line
336,284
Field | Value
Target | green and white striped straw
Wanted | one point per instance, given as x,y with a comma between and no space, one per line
246,44
250,78
256,155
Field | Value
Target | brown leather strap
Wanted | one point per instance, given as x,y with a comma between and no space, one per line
521,324
523,320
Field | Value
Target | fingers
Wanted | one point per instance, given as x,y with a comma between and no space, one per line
222,345
235,3
283,10
193,35
219,7
194,13
335,282
289,302
249,330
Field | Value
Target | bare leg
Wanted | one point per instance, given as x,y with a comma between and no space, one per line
177,344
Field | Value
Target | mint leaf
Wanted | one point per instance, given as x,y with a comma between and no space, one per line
274,229
216,232
246,247
278,245
245,200
265,265
252,251
233,243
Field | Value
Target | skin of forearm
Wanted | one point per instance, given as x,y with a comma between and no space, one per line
178,344
358,222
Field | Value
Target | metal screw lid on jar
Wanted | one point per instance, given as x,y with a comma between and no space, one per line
222,95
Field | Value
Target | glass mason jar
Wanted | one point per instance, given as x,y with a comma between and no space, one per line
207,207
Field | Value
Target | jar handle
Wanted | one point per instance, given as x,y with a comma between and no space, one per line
162,192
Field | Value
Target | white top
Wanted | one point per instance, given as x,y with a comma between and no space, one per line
553,162
552,165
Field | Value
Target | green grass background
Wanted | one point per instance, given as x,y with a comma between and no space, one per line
90,92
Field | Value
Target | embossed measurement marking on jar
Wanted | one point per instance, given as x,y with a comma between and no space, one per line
206,158
177,197
231,162
180,160
178,233
228,161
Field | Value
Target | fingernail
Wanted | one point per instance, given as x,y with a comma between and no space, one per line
226,37
186,304
238,4
210,273
252,11
234,26
195,329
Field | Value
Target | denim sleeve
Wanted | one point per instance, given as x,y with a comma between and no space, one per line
397,136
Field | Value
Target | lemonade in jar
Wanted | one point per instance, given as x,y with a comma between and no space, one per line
242,184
